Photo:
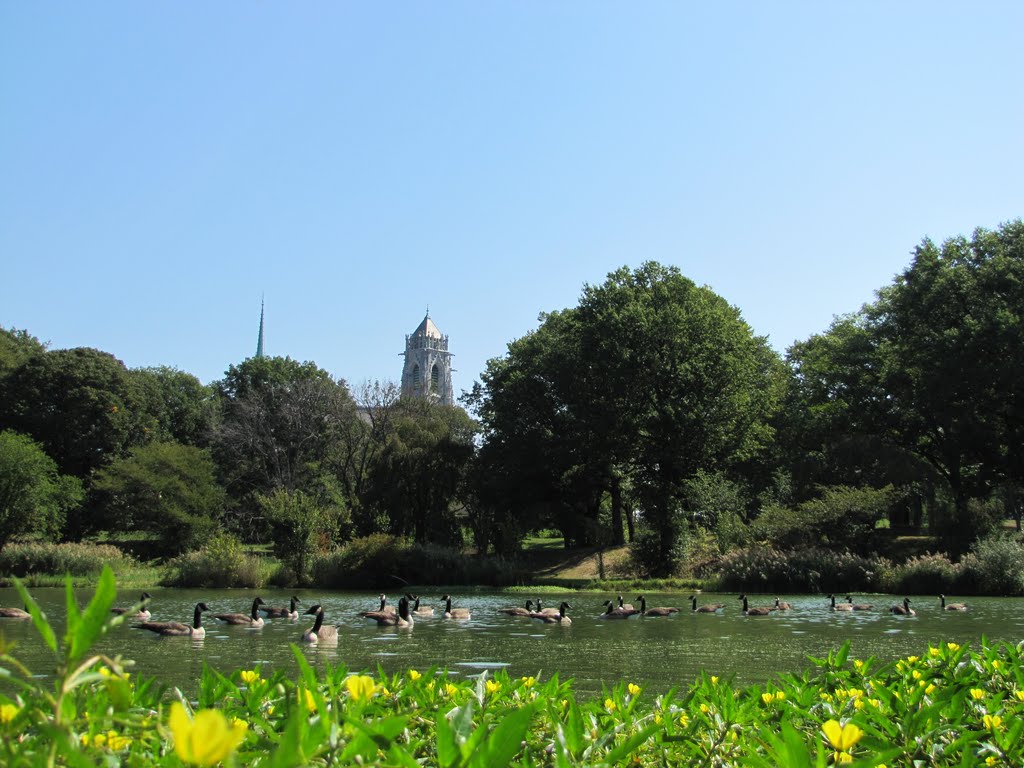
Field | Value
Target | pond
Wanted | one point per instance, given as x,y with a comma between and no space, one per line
659,653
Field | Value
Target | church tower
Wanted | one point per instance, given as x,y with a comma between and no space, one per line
259,341
428,364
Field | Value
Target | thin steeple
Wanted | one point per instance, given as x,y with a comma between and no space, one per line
259,341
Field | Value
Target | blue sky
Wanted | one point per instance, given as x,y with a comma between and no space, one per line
164,165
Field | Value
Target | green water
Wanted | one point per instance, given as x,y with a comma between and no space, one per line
657,652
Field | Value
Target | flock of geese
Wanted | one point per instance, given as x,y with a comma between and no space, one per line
409,609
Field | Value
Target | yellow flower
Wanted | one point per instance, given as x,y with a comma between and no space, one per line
916,674
858,665
684,720
992,722
310,700
767,698
493,686
249,676
205,740
780,696
609,705
117,742
414,675
842,757
8,712
991,760
1018,694
934,652
842,737
451,688
953,647
529,682
977,693
996,664
911,659
705,708
633,689
930,689
360,687
658,719
714,680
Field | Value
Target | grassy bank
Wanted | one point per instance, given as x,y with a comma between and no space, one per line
948,706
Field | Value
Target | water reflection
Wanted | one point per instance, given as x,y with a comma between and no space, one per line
658,652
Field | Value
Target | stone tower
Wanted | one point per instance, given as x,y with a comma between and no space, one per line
428,364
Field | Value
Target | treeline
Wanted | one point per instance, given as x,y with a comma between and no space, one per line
650,412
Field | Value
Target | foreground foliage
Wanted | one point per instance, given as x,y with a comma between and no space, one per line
948,706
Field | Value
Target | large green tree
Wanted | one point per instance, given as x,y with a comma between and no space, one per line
16,346
34,498
279,426
80,404
180,407
417,479
167,489
650,379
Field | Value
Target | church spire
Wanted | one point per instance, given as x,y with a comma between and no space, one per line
259,341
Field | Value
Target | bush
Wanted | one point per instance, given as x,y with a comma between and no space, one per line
76,559
815,569
994,567
924,575
379,559
221,563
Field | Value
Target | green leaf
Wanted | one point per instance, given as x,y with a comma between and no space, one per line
42,625
504,742
448,752
625,749
93,622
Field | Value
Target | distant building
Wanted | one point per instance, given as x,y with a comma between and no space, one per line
428,364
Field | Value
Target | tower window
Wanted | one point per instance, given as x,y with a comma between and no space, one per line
417,383
435,376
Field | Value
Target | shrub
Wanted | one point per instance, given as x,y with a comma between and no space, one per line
923,575
994,567
221,563
813,569
379,558
77,559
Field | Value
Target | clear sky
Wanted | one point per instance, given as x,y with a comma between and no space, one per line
163,165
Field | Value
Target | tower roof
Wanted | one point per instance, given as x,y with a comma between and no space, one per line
427,328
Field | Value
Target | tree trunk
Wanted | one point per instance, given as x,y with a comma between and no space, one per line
616,493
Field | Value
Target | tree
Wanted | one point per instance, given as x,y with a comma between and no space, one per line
417,478
300,525
80,404
650,379
15,347
34,498
164,488
180,407
279,425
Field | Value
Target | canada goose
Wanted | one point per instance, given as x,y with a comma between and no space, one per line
548,611
759,611
859,606
401,618
319,633
628,607
253,620
709,608
559,618
840,607
780,606
454,613
645,611
176,628
952,606
614,612
291,612
143,612
517,611
903,610
384,608
14,613
426,610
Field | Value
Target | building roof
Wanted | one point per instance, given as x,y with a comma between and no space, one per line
427,328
